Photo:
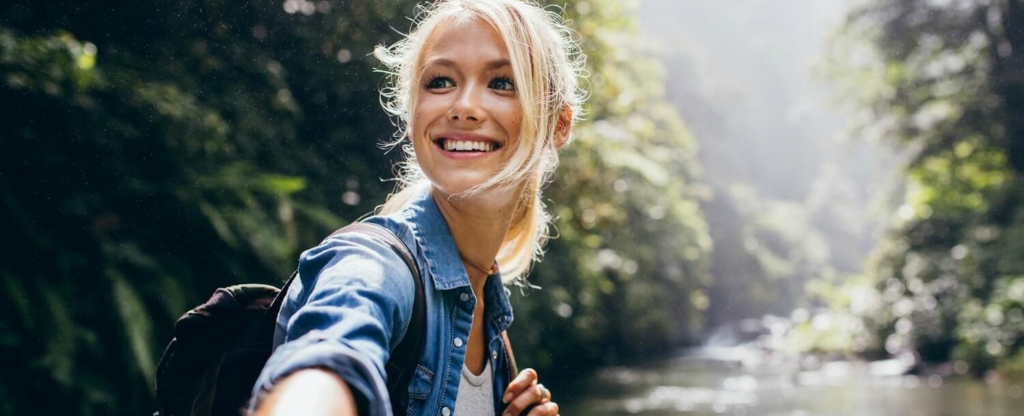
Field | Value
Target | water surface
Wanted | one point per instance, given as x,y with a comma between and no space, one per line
707,381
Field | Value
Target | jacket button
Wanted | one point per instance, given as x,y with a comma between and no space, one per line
446,411
494,354
458,342
464,296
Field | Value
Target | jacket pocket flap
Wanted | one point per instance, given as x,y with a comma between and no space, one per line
422,381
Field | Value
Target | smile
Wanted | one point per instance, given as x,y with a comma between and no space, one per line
451,145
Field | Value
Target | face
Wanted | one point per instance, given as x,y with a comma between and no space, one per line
466,116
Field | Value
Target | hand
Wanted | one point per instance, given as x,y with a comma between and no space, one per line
309,392
524,393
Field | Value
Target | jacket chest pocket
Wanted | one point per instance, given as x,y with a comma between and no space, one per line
419,389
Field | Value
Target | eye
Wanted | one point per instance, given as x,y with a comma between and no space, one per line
439,82
503,84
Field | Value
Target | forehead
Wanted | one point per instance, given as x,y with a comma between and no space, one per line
464,40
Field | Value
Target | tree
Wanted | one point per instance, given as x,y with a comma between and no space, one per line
945,81
153,151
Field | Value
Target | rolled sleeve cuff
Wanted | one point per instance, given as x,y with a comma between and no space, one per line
317,351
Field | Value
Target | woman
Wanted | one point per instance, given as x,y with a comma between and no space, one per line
485,92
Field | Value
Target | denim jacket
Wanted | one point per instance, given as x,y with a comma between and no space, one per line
352,302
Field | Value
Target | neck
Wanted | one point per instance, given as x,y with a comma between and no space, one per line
478,225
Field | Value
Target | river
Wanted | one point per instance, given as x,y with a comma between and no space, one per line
741,381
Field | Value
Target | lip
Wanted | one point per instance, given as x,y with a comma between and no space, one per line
465,136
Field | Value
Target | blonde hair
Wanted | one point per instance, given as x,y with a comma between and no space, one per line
546,63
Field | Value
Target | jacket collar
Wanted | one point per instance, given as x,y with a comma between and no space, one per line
444,266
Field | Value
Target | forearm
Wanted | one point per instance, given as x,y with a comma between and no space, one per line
348,299
309,392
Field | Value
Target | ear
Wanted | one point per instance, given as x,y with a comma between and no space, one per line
563,128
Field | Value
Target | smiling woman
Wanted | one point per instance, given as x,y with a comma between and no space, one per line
467,110
485,93
522,80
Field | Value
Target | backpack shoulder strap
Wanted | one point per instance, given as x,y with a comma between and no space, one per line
514,371
381,234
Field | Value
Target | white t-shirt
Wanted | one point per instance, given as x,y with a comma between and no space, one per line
476,396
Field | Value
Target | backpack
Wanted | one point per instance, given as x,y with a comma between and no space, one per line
219,348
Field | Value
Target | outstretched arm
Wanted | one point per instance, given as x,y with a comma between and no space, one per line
354,297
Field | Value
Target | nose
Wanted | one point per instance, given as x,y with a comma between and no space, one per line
468,106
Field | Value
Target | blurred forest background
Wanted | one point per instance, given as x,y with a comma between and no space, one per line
152,151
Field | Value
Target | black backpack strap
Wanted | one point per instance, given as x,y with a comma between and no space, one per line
402,364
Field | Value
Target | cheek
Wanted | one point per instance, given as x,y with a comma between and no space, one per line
512,119
423,113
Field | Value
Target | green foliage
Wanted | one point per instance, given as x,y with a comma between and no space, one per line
627,275
839,328
943,80
766,250
153,151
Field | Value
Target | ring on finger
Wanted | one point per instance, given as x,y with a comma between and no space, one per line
545,394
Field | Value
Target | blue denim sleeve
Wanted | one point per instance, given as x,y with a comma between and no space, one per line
354,305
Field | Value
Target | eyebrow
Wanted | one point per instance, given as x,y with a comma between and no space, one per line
451,64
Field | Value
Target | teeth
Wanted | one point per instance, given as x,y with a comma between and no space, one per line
464,146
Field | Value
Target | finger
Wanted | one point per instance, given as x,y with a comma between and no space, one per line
526,378
545,393
529,396
546,409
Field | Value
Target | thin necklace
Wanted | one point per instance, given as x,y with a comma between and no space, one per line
492,270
